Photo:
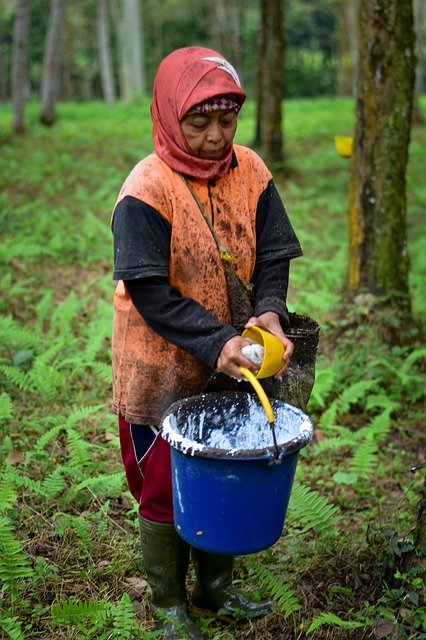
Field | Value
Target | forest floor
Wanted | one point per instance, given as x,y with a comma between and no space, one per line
347,566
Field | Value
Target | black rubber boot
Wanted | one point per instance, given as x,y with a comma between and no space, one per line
166,560
215,593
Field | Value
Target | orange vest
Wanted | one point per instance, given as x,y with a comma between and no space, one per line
150,373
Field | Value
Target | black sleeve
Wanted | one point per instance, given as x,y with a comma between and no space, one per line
276,245
270,280
179,320
275,237
141,241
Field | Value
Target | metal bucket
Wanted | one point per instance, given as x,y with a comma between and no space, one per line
231,485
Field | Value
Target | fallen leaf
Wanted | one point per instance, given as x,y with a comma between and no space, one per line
138,585
15,457
384,629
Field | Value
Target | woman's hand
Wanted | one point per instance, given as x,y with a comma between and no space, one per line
270,321
231,359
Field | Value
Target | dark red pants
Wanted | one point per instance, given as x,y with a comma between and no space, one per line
146,459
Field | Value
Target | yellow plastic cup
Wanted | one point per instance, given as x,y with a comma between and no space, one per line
273,351
344,145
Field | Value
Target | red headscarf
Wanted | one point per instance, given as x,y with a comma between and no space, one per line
185,78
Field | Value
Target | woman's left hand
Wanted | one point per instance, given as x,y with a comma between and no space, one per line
270,321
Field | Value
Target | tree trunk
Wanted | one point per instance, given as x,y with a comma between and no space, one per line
53,52
345,12
419,22
132,77
271,77
105,53
259,135
226,26
378,260
20,65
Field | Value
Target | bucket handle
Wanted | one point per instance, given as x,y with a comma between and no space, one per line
267,407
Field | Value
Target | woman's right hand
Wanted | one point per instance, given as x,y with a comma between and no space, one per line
231,359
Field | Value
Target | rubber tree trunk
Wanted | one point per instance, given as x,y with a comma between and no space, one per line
53,52
271,77
20,65
378,257
104,45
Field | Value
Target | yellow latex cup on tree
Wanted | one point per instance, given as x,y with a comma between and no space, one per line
273,351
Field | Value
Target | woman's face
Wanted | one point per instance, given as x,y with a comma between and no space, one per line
209,135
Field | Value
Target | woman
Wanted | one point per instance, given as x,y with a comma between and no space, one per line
173,323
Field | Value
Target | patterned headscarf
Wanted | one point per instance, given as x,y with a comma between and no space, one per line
187,78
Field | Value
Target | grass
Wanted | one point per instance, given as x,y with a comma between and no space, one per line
69,558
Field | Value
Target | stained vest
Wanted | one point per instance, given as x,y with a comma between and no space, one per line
150,373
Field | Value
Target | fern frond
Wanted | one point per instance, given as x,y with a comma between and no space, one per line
364,460
12,626
327,422
6,407
354,393
103,370
8,494
331,618
378,428
52,433
308,510
324,381
14,563
77,525
81,414
79,448
63,315
77,611
53,484
18,378
282,592
14,335
124,619
42,311
109,484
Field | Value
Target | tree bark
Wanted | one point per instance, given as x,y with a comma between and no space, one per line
419,23
345,12
20,65
378,258
226,26
107,75
53,52
271,79
132,77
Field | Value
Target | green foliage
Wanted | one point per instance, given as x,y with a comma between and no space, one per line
14,563
68,522
283,593
328,618
308,510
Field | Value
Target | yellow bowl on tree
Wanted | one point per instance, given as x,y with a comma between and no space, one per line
273,351
344,145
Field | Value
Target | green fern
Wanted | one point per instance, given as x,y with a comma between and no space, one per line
124,619
14,335
108,484
76,524
11,626
14,564
364,460
324,381
328,618
8,493
282,592
77,611
308,510
6,407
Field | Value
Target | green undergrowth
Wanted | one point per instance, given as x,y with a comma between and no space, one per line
349,563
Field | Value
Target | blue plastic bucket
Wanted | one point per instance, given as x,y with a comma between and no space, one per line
231,485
